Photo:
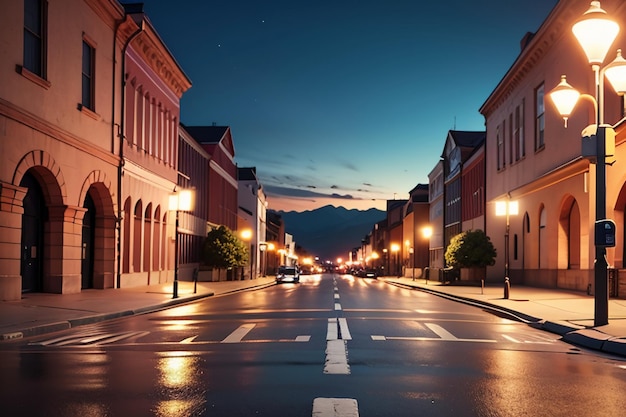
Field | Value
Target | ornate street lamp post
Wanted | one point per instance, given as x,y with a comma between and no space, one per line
179,201
595,33
507,208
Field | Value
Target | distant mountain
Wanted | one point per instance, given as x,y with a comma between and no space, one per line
330,232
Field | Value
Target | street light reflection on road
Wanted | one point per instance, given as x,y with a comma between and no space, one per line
180,372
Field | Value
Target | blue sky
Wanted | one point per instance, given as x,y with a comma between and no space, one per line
342,102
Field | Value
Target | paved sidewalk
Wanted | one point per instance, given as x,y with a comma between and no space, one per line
39,313
567,313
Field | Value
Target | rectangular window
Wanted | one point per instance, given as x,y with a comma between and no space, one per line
539,117
35,37
88,79
500,141
519,132
510,141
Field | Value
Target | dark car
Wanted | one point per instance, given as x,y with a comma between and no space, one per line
367,273
287,273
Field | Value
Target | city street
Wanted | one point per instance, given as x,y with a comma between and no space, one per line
332,345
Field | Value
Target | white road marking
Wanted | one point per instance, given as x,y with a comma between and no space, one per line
530,342
89,339
345,332
335,407
336,296
337,306
440,331
336,358
240,333
303,338
432,339
444,336
332,332
189,339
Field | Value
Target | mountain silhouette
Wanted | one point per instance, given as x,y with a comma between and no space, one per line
330,232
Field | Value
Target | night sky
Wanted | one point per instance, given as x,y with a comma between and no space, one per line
341,102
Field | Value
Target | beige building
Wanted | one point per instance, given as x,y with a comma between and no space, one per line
533,159
80,151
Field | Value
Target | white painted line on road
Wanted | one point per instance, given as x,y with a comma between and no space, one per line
378,337
303,338
336,358
440,331
345,332
332,330
336,296
240,333
189,339
436,339
530,342
335,407
337,306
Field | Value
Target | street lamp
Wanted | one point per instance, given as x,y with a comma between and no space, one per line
385,261
179,201
246,234
595,33
263,249
395,248
506,208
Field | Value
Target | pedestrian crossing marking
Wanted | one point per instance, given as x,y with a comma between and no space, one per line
443,336
240,333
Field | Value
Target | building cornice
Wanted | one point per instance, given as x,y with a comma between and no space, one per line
152,50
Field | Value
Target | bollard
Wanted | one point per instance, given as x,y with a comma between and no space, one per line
507,288
482,286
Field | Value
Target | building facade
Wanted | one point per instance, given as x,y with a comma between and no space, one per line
60,145
153,84
533,159
253,215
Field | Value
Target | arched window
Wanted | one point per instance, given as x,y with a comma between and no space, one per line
543,239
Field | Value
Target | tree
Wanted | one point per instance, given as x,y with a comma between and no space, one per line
223,249
470,249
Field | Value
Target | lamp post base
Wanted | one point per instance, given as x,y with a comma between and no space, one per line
175,289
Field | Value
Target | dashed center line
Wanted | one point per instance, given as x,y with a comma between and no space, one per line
335,407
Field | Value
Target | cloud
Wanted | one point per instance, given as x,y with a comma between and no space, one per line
280,191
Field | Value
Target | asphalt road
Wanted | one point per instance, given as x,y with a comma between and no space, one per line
330,346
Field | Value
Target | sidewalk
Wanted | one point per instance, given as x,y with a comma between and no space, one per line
40,313
567,313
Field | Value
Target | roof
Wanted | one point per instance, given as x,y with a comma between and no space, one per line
207,134
468,139
247,174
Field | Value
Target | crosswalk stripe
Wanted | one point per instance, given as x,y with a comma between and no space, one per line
240,333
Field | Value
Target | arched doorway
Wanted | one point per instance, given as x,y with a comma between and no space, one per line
88,243
33,219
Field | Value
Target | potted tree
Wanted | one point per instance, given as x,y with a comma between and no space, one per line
223,250
471,252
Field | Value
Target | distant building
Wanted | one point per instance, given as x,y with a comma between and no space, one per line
217,141
459,147
252,215
435,200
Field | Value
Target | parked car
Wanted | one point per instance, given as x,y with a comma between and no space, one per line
288,273
367,273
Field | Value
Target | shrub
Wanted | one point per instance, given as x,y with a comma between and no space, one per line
470,249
